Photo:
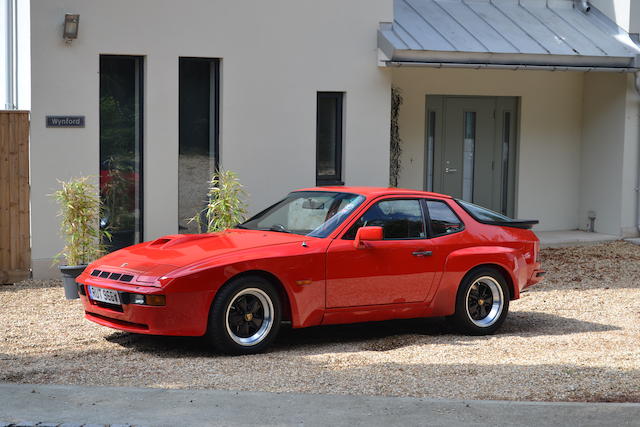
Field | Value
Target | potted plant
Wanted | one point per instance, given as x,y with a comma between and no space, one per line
79,203
226,206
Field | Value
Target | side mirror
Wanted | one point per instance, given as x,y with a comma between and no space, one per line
367,234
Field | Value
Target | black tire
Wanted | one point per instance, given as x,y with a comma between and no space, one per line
482,302
245,316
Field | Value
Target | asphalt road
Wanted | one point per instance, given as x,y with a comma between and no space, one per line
160,407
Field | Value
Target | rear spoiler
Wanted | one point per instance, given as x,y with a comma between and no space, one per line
526,224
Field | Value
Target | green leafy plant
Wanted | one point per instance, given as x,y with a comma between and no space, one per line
226,206
395,146
80,227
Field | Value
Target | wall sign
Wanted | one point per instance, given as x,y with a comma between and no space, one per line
65,121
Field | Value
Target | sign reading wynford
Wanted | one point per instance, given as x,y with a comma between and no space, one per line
65,121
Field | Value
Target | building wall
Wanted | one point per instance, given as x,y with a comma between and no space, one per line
275,56
617,10
550,131
634,17
631,162
603,150
611,152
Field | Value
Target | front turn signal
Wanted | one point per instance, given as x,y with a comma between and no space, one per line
156,300
142,299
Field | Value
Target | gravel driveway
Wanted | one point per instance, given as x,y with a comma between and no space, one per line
575,336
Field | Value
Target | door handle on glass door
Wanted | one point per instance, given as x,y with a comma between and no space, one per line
421,253
450,170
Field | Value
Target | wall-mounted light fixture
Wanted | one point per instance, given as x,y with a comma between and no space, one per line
70,27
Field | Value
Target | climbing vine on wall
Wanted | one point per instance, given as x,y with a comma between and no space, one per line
396,148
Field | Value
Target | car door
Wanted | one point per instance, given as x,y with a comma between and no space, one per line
394,270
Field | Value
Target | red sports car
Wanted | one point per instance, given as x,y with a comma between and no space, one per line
320,256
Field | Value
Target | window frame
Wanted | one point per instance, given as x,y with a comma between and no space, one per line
425,209
386,199
339,137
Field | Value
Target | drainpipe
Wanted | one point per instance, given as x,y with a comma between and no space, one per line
583,5
12,54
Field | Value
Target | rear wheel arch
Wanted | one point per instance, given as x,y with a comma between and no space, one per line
503,271
500,258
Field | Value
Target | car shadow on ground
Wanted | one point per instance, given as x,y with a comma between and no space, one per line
393,334
371,336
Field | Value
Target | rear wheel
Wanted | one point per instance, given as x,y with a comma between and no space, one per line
245,316
482,302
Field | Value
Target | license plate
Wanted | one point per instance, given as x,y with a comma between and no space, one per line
104,295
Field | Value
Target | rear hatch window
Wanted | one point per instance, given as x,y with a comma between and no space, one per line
487,216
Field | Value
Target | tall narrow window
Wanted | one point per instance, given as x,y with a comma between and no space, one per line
198,133
506,136
329,138
121,103
431,138
468,155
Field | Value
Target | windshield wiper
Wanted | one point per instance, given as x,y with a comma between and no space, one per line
279,228
242,227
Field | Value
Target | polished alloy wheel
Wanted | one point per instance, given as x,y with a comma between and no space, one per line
484,301
249,317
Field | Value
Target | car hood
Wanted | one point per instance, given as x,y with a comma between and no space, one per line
150,260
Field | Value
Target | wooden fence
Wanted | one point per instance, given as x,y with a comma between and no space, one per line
15,246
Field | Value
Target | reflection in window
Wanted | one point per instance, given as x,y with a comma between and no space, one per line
442,219
121,148
506,135
310,213
431,137
399,219
468,155
480,213
198,116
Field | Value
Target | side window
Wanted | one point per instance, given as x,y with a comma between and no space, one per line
399,219
443,220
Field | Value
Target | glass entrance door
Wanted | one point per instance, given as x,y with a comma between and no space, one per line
470,149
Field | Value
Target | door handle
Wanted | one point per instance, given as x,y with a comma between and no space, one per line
422,253
450,170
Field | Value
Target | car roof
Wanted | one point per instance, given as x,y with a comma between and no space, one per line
372,192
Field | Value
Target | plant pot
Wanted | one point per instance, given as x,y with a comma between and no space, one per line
69,274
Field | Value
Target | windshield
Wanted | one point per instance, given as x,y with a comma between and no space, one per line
309,213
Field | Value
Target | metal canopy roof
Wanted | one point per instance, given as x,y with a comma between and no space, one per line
528,34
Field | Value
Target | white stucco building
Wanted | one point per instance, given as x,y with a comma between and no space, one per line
527,107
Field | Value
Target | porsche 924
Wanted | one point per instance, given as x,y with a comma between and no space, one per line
320,256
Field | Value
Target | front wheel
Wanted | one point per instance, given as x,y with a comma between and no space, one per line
482,302
244,316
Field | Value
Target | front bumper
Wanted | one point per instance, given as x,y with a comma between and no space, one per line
185,313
